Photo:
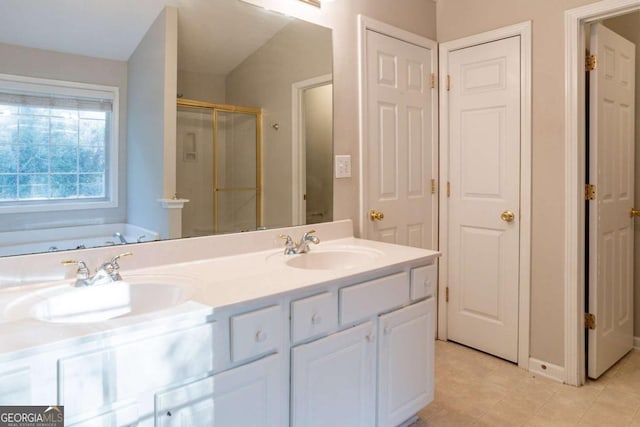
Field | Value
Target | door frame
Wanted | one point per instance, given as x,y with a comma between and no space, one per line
365,23
575,169
298,145
524,292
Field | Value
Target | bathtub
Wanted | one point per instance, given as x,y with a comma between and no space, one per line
65,238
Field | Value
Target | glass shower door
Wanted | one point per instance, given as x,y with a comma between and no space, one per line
194,170
218,167
237,172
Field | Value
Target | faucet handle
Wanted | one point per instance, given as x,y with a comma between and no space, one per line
307,237
287,238
114,260
289,246
83,271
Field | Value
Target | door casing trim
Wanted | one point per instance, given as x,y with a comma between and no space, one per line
298,145
575,98
524,292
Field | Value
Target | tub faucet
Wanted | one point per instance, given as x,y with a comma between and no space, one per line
303,245
119,235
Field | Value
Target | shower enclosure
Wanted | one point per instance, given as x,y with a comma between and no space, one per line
219,167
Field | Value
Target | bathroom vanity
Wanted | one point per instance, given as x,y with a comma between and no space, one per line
239,335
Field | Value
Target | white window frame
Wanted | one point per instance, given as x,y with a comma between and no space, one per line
66,88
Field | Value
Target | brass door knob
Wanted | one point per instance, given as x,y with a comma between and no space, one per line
375,215
635,212
507,216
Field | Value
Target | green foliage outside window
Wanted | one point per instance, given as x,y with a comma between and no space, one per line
52,153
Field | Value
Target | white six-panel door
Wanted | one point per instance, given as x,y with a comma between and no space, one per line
483,239
401,151
611,234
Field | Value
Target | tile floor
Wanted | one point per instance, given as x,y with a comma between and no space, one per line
474,389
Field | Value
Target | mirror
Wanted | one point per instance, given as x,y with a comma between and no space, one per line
230,54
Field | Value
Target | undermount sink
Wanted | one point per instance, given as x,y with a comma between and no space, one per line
133,296
340,258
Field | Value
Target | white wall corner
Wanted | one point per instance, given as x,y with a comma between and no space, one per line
546,370
636,343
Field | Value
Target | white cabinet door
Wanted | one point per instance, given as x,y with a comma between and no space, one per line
332,380
15,387
405,367
247,396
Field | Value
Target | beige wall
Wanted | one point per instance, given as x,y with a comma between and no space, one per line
459,18
456,19
417,16
201,86
628,26
261,81
151,162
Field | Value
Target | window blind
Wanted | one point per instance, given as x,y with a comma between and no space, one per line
57,102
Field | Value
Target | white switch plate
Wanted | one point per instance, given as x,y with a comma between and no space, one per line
343,166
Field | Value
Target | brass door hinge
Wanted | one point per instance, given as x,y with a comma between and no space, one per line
448,189
589,321
589,192
591,62
448,82
446,294
434,186
433,80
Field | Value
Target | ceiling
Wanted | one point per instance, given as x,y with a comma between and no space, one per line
214,36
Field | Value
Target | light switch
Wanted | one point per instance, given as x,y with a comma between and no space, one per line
343,166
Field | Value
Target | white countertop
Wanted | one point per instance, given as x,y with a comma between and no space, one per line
222,281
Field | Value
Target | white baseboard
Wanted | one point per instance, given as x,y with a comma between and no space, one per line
636,343
547,370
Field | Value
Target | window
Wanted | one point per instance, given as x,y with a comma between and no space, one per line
58,145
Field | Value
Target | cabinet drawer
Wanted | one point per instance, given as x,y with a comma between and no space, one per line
424,281
313,316
369,298
255,333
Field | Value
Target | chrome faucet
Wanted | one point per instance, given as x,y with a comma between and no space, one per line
119,236
110,270
83,274
303,245
107,273
289,246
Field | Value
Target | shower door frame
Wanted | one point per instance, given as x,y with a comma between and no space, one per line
226,108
